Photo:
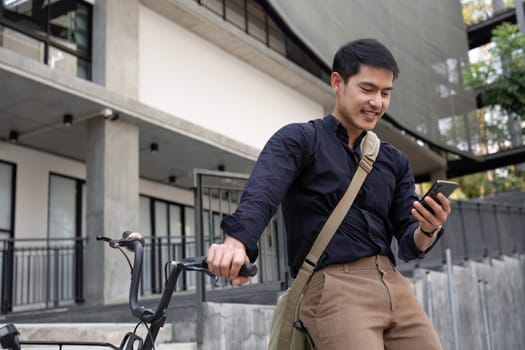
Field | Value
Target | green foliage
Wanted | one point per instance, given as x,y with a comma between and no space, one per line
475,185
474,11
487,183
500,80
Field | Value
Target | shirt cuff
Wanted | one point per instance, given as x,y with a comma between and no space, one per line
232,227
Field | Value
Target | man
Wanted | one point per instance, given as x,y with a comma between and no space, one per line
356,299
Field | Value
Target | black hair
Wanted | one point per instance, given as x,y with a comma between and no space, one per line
349,58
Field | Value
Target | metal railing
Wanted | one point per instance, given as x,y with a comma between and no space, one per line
47,273
476,230
40,273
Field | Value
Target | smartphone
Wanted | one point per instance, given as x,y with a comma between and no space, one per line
443,186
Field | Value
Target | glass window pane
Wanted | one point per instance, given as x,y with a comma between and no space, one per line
62,207
83,69
256,21
217,236
175,223
190,247
189,231
63,61
161,219
206,225
31,15
22,44
84,210
6,191
176,247
276,37
145,217
235,13
213,5
69,25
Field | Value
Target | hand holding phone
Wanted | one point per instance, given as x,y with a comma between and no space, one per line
443,186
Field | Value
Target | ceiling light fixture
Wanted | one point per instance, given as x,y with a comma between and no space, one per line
108,113
68,120
154,147
13,136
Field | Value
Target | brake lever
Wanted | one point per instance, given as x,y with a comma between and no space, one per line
113,243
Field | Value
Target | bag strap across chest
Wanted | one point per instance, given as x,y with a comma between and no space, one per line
369,149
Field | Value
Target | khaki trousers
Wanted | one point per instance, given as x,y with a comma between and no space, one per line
365,305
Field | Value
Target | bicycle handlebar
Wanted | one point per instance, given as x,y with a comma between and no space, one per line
134,241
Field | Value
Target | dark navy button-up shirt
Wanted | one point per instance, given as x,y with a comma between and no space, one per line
307,167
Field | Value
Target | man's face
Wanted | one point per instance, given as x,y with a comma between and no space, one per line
363,100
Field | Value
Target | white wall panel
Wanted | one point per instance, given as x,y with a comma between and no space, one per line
32,186
184,75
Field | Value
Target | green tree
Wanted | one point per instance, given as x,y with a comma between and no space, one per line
500,80
475,11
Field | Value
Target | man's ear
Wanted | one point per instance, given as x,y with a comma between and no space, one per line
336,81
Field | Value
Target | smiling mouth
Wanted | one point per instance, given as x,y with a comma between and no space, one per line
371,114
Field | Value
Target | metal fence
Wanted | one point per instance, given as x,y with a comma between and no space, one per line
40,273
476,230
46,273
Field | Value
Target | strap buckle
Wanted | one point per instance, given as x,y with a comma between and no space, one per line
366,164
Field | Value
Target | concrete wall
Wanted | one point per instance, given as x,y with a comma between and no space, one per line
496,287
500,281
428,40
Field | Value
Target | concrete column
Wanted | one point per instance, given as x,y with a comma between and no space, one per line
498,5
520,15
112,205
116,45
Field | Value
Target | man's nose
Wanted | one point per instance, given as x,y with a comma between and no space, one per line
375,100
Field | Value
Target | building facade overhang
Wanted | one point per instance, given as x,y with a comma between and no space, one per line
35,99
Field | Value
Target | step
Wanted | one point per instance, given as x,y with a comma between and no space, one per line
94,332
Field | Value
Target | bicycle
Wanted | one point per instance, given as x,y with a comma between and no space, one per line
153,320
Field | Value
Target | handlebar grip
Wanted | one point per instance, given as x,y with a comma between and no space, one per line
248,270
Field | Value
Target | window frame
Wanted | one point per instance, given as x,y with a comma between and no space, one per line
48,41
11,229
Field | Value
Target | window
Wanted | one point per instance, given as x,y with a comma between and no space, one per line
259,21
7,186
56,32
169,231
66,217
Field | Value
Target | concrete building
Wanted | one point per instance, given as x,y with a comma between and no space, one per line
108,106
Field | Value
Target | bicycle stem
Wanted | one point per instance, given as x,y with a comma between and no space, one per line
142,313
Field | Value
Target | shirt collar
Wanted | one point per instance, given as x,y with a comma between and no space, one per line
341,132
